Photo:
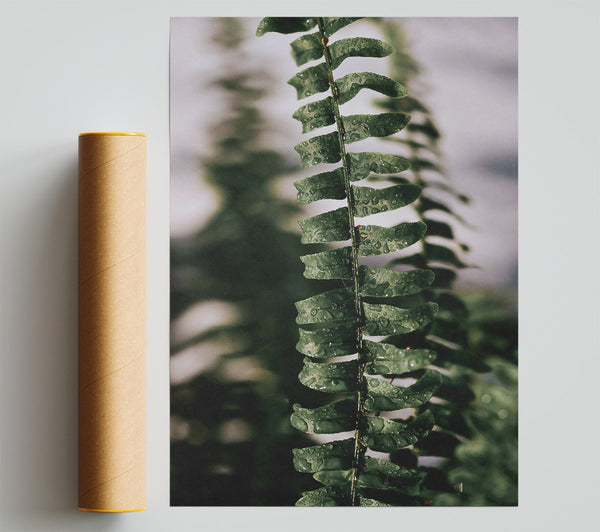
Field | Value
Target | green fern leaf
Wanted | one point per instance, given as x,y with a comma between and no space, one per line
357,47
333,341
386,435
312,80
319,149
329,419
307,48
325,496
360,127
325,457
351,84
285,25
389,360
316,114
382,282
369,200
329,306
334,323
383,475
330,264
334,24
385,396
382,320
362,164
327,185
327,227
376,240
437,228
338,377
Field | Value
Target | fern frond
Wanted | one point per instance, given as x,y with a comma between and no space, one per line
335,323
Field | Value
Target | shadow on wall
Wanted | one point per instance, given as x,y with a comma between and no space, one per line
38,376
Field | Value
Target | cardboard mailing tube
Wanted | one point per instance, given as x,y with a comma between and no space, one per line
112,322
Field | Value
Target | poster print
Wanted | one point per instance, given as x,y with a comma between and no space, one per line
343,262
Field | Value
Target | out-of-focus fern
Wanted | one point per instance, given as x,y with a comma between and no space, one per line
457,404
372,302
231,432
440,253
485,468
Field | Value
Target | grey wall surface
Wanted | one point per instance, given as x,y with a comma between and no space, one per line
68,67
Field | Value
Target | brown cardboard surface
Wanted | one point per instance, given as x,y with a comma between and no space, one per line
112,322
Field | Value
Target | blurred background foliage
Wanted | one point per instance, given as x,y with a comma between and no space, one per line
231,439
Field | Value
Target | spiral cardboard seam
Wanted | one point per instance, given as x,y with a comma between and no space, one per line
112,322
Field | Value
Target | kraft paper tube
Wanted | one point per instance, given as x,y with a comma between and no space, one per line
112,322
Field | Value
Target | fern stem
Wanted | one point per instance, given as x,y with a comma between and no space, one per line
359,448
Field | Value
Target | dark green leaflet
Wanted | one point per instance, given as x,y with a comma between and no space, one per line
311,80
331,264
387,359
375,240
428,129
333,24
324,457
327,185
369,200
360,127
424,164
357,47
333,378
386,435
385,396
325,496
427,204
381,474
330,342
285,25
362,164
327,227
450,417
328,419
334,305
333,323
382,282
351,84
436,253
315,115
306,48
437,444
334,496
448,357
320,149
436,228
443,277
387,319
